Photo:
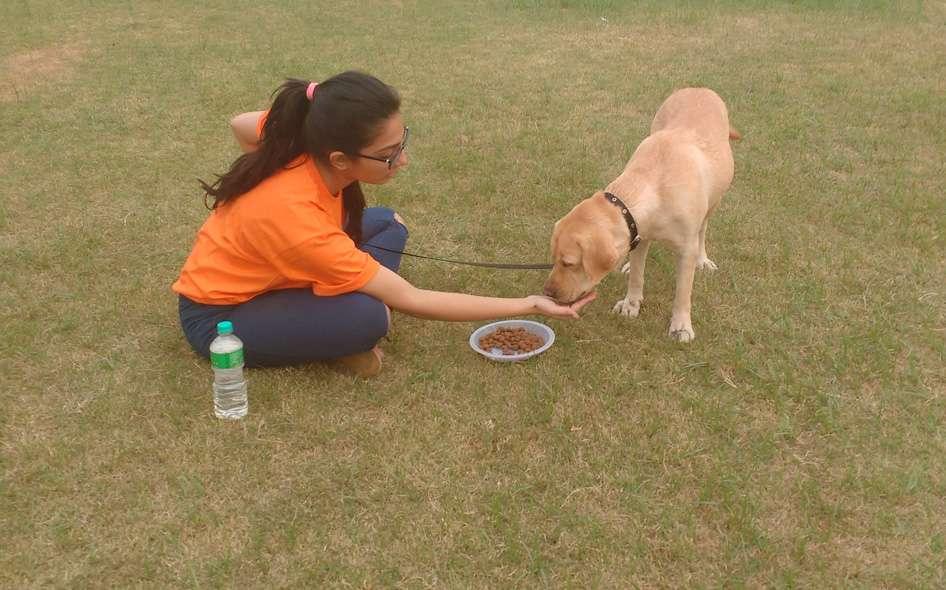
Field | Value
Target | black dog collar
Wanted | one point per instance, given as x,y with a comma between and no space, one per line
631,224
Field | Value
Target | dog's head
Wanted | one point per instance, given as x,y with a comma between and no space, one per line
583,250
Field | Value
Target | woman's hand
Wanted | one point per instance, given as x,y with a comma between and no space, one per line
548,306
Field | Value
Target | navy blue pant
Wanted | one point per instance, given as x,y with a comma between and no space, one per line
296,326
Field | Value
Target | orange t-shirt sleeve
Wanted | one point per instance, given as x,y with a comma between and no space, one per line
313,250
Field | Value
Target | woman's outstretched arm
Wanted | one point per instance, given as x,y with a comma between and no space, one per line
395,292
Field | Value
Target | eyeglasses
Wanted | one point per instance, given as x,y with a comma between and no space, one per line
393,158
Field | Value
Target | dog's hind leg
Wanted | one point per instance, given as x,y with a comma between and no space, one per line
630,306
681,329
703,262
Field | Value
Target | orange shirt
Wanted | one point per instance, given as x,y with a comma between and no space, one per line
284,233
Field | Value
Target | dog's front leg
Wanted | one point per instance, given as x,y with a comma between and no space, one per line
630,306
703,262
681,329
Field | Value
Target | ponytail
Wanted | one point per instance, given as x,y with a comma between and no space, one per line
281,142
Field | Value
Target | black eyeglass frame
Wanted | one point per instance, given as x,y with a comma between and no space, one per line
390,160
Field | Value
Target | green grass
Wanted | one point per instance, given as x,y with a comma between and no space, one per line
798,442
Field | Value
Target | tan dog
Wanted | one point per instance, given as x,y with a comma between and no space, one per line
670,187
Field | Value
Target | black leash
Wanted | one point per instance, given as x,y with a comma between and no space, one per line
482,264
612,198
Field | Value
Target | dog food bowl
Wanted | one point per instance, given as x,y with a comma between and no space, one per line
495,354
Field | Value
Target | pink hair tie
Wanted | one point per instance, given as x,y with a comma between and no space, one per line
310,90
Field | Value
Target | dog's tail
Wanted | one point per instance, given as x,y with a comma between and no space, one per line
734,135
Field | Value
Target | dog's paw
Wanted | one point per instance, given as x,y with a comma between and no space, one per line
627,308
626,268
706,264
681,331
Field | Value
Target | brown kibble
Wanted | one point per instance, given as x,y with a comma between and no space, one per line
511,341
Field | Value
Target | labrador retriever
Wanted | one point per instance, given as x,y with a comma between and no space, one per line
666,193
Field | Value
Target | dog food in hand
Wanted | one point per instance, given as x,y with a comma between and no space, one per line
511,341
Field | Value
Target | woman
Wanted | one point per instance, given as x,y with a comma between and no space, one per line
286,253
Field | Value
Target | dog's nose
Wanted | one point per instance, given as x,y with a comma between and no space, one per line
549,291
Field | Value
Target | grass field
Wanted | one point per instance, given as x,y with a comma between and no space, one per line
799,442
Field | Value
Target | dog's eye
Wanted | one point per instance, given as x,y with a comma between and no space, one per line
566,263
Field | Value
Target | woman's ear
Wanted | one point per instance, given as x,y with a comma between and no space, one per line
339,161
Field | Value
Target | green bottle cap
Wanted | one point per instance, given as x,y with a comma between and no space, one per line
224,328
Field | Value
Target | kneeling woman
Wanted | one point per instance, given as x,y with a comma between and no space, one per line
286,252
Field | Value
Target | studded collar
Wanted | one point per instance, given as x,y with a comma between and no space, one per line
628,218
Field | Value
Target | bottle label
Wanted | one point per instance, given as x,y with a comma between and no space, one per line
226,360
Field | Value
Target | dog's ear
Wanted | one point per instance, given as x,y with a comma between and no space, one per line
599,256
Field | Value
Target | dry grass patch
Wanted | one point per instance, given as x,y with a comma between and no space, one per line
27,72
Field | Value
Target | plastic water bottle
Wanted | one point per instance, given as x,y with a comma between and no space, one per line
226,357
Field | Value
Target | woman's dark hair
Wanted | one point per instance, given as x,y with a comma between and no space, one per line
344,115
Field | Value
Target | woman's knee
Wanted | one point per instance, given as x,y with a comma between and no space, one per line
372,319
400,236
387,218
400,220
398,231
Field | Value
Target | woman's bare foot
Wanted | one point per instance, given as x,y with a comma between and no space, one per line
362,364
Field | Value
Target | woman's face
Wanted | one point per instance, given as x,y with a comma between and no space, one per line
381,159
